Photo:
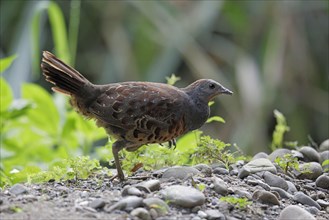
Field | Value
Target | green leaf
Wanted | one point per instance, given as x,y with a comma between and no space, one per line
58,27
6,95
215,118
6,62
172,79
44,116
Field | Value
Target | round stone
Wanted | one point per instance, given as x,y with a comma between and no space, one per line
324,146
183,196
255,166
310,155
310,171
305,199
295,212
322,181
274,180
180,172
265,197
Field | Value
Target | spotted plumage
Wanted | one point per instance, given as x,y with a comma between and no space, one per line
135,113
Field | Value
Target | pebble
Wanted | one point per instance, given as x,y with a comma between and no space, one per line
183,196
220,186
204,169
322,202
180,172
324,156
324,146
295,212
152,185
242,193
282,193
97,204
213,214
278,153
291,187
265,197
131,191
127,203
260,155
310,154
202,214
18,189
255,166
220,171
305,199
311,170
322,181
159,205
274,180
141,213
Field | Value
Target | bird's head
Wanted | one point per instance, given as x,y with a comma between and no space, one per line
206,89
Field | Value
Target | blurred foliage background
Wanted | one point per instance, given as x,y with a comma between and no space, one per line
272,54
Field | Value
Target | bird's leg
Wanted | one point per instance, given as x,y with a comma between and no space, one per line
172,142
116,147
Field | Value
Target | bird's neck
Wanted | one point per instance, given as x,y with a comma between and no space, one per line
199,113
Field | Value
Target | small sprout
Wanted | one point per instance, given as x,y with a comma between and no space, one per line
172,79
240,203
280,128
287,163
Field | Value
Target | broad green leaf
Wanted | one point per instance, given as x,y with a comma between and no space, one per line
58,28
6,62
215,118
6,96
44,116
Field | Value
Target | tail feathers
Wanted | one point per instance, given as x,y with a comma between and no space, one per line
66,79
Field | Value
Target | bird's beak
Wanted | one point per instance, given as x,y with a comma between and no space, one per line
223,90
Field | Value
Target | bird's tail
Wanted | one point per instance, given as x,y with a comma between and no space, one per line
66,79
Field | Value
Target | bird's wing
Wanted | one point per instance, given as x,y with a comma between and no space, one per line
142,108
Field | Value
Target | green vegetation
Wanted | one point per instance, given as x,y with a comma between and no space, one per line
280,129
325,165
287,162
240,203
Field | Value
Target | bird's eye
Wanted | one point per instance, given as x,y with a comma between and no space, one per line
212,86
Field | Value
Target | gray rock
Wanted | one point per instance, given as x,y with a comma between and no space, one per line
242,193
159,205
220,186
291,188
281,192
202,214
152,185
322,202
220,171
260,155
97,204
310,171
204,169
305,199
213,214
131,191
265,197
141,213
322,181
324,146
127,203
278,153
323,157
274,180
297,154
255,166
183,196
180,172
18,189
295,212
310,155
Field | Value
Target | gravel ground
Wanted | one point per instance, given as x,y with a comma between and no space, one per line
181,193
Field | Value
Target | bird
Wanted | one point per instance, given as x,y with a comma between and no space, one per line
135,113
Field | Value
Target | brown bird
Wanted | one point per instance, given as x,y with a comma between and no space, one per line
135,113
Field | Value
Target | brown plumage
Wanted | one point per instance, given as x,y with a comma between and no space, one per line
135,113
